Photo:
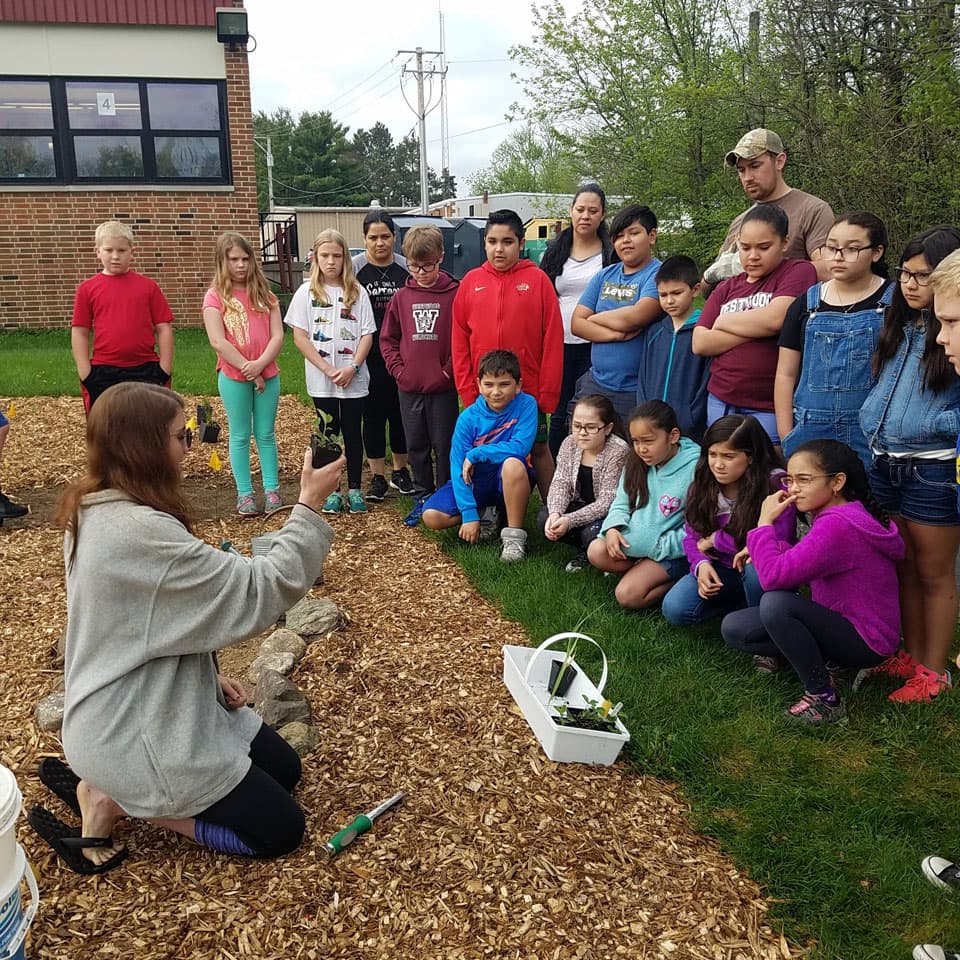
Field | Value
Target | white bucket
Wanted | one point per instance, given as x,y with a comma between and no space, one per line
260,545
14,920
10,803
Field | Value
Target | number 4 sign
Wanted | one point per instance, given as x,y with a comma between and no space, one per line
107,104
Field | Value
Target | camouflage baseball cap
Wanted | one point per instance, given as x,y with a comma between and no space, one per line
752,144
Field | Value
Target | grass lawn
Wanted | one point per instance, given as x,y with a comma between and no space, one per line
40,363
832,823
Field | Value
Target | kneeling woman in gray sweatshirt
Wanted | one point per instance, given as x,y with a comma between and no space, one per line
150,727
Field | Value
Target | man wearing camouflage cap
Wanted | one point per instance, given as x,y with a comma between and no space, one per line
759,159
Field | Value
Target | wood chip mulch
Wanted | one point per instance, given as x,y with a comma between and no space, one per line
496,852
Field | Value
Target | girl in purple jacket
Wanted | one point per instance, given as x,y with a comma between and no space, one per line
849,560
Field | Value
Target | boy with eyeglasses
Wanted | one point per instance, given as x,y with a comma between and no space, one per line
415,344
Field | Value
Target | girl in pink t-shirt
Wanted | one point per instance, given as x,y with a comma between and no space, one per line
242,319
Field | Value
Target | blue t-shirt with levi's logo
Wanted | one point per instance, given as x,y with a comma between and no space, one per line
615,365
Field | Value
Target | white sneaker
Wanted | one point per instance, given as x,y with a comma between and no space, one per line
514,540
941,873
931,951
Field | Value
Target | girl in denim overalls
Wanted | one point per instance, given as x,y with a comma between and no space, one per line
828,337
911,419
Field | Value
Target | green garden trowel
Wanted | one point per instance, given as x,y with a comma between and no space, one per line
362,824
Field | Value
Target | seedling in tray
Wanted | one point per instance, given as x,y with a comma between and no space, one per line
594,716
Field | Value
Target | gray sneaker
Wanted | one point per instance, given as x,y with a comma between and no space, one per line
489,525
933,951
514,540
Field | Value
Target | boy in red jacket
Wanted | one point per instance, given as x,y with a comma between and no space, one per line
510,304
415,345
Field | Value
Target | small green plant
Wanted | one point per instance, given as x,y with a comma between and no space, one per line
594,716
564,667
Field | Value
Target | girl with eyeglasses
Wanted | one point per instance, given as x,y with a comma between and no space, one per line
589,462
641,538
911,419
849,560
823,370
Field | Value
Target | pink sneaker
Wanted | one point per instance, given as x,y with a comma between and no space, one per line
901,666
925,685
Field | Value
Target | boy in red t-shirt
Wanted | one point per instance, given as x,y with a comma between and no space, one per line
130,317
510,304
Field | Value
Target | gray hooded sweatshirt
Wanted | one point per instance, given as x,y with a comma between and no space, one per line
148,603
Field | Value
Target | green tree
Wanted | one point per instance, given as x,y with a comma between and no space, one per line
313,163
533,159
376,154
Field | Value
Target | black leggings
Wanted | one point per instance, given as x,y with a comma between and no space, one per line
381,406
259,809
808,634
345,421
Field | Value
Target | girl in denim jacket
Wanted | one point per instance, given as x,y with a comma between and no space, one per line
911,419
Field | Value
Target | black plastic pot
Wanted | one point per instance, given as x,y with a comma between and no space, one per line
210,433
569,675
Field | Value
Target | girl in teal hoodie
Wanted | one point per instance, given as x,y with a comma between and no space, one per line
642,536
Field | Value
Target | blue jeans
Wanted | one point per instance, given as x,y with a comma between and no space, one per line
924,491
716,408
683,606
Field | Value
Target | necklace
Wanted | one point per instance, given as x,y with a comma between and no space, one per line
835,300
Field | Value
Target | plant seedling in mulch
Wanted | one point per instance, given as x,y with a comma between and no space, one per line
323,447
208,430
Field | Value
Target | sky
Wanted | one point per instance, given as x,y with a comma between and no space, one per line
343,58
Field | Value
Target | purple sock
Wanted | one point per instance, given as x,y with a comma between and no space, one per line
215,836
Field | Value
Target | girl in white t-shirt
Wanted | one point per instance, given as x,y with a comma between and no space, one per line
333,327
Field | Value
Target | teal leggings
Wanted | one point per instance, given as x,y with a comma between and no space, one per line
245,406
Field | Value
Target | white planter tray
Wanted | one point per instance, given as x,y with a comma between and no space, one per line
526,672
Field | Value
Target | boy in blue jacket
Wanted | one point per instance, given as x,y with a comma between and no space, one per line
670,370
490,458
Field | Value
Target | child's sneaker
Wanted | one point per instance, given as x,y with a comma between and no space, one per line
333,503
489,524
247,506
271,501
815,709
925,685
355,502
413,517
771,664
514,540
401,480
941,873
377,491
931,951
9,510
578,563
901,666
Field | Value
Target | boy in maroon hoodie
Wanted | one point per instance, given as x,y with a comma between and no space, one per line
415,345
510,304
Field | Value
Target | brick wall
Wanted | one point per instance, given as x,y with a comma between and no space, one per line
46,236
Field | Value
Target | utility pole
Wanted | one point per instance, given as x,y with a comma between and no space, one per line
421,112
269,154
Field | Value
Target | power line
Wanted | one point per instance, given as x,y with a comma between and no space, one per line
348,91
466,133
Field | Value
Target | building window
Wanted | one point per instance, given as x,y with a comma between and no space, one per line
66,130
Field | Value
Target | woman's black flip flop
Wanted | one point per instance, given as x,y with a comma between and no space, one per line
68,843
60,780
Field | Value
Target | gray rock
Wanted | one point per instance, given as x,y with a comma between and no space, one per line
49,713
315,617
279,701
284,641
281,662
301,736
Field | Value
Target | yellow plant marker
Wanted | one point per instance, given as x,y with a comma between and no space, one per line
192,423
11,410
214,462
605,707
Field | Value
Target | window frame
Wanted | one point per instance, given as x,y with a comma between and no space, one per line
63,136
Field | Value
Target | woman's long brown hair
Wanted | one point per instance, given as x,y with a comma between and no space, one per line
128,444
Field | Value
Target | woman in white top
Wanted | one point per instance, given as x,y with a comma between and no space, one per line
579,251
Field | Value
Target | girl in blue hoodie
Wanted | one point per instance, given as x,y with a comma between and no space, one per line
642,536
